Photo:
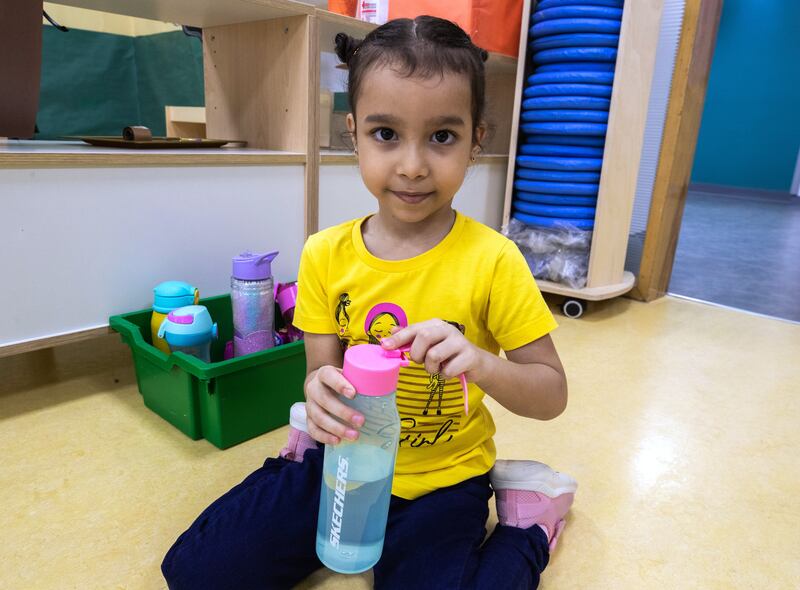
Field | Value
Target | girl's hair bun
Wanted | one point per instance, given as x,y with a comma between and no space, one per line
346,46
484,55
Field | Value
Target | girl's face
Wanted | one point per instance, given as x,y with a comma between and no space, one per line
414,139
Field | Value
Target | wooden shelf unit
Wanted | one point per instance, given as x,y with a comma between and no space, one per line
261,68
626,125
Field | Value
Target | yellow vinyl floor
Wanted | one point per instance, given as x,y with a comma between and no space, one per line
683,431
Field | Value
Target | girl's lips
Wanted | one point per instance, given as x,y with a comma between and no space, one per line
411,198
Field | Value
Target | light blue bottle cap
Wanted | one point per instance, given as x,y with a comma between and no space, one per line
188,326
171,295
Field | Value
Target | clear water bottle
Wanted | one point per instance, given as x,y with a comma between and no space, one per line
253,302
357,475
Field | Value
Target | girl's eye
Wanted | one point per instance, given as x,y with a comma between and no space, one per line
443,137
384,134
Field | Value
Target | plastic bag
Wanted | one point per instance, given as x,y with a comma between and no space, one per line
557,254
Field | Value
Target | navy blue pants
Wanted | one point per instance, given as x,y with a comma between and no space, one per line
262,535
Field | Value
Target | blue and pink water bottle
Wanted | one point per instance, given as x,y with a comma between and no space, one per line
189,330
357,475
168,296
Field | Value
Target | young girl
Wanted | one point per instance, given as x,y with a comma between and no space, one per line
415,273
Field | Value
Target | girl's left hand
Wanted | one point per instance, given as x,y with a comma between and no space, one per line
441,348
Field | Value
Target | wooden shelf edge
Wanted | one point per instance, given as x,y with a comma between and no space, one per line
126,159
343,158
590,293
199,13
50,341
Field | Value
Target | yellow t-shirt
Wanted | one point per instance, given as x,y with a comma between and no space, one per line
476,279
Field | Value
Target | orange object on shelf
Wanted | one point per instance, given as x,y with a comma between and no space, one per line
346,7
492,24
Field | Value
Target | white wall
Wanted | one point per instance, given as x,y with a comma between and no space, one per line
79,245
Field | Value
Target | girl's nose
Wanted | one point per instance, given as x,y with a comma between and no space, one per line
412,163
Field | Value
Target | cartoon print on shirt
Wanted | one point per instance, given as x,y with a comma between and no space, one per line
343,319
381,319
381,327
435,385
437,382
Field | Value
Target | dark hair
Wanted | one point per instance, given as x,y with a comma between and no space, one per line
341,307
372,339
425,46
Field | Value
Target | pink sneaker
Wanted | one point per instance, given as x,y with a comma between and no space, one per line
531,493
299,439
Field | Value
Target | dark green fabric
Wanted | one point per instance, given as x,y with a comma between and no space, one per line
98,83
169,69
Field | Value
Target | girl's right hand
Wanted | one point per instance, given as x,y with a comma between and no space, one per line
329,420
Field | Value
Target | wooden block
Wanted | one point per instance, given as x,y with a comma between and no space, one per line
185,121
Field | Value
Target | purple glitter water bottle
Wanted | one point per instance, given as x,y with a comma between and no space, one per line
253,302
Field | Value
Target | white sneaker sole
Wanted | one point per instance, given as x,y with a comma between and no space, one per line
531,476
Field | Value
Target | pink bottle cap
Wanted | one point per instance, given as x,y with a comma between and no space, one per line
372,370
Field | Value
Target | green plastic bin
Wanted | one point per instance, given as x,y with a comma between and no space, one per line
225,402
